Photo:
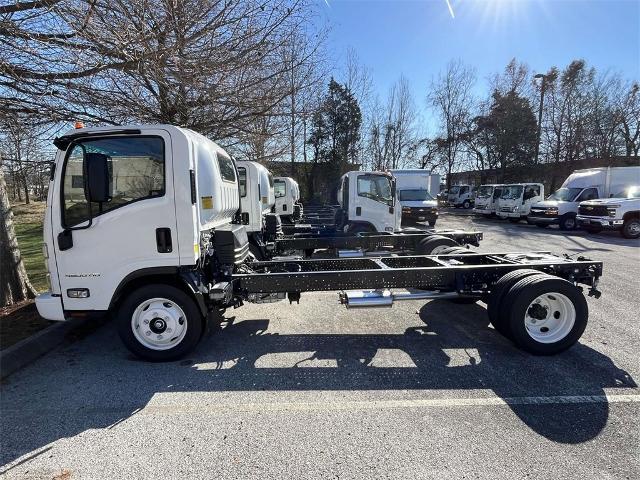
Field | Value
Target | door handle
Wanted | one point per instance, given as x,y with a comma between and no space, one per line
163,240
358,211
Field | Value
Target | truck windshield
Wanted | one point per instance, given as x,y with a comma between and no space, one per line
565,194
484,192
512,192
415,195
375,187
279,188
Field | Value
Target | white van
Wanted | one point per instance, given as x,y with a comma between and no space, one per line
461,196
561,208
517,198
487,198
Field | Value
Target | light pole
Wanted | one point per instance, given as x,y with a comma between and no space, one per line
542,86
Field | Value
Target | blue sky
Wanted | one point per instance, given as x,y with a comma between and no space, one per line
418,38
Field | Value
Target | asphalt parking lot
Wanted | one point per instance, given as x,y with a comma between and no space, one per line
422,390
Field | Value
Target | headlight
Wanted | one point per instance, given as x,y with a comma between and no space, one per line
552,211
611,211
515,209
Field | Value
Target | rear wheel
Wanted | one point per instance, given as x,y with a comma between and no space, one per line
498,292
631,228
546,314
160,323
466,204
435,244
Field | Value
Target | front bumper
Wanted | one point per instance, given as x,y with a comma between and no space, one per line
546,220
484,211
606,223
50,306
509,214
420,216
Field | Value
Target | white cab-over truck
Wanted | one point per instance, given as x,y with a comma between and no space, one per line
413,189
145,222
461,196
561,208
620,213
287,193
516,200
487,198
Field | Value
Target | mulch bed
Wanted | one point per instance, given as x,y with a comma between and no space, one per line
20,321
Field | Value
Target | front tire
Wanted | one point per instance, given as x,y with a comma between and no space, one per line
160,323
631,228
466,204
435,244
568,222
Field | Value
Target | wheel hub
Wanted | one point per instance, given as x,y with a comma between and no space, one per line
158,325
537,311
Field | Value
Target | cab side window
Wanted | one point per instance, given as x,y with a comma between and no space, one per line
531,191
136,172
587,194
242,181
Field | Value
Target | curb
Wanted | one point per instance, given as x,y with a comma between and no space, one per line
30,349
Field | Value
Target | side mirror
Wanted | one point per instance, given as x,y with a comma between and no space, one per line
393,192
98,186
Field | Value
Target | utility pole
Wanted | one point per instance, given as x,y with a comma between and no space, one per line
542,87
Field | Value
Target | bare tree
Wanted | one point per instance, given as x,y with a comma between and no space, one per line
451,98
629,115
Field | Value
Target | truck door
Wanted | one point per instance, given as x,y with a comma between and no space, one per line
373,202
98,245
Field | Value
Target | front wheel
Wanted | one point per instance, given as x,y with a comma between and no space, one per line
160,323
568,222
631,228
466,204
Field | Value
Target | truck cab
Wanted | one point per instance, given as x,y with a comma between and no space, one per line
257,196
461,196
368,203
487,198
287,199
622,213
516,200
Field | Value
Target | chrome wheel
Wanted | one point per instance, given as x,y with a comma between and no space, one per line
550,317
159,324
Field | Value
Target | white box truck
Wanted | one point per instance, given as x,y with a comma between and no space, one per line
561,208
413,189
143,222
516,200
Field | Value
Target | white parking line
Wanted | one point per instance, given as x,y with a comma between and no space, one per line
163,408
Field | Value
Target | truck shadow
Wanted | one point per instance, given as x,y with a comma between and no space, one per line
98,385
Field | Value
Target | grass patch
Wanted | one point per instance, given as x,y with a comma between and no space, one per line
28,221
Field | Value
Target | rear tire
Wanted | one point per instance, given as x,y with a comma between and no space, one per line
435,244
631,228
547,314
466,204
496,297
160,323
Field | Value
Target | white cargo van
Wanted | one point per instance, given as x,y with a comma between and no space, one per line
461,196
516,200
561,207
487,198
413,191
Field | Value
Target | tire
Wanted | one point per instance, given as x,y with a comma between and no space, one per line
631,228
514,220
434,244
458,250
561,321
498,292
466,204
165,300
568,222
432,224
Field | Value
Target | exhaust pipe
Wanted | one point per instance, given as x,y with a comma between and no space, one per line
385,298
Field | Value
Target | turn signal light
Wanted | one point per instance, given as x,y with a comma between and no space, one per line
78,124
78,293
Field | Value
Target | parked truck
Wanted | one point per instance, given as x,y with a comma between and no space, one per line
516,200
487,198
561,208
414,187
620,213
461,196
144,222
287,195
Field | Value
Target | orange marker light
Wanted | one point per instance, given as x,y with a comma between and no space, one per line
79,124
